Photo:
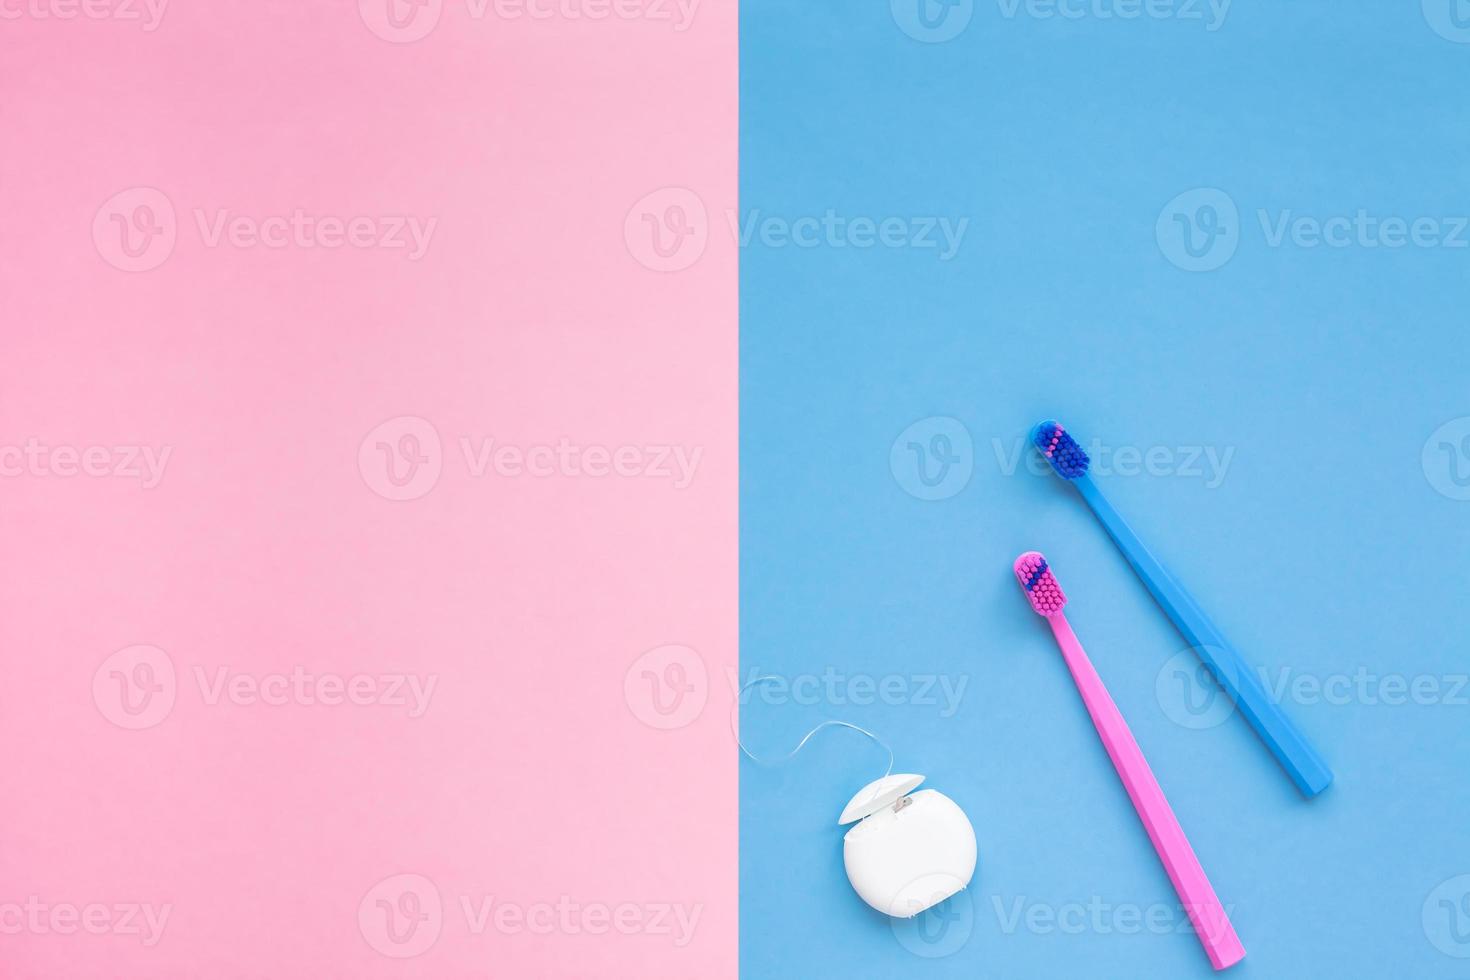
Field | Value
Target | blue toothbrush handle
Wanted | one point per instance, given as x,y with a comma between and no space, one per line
1281,735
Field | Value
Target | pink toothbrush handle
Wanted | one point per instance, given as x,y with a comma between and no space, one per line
1211,923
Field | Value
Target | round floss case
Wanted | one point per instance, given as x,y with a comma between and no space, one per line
909,851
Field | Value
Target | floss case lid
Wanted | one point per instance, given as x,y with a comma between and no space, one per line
878,794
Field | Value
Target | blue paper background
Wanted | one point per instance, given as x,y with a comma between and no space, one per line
1333,549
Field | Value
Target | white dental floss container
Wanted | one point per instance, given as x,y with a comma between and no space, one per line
909,851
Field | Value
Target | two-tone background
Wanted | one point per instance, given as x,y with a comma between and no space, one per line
420,418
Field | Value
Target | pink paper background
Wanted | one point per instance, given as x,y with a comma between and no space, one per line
552,766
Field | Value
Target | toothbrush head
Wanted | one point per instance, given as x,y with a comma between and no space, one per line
1040,585
1060,449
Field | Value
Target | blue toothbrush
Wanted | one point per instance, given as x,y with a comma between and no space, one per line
1282,737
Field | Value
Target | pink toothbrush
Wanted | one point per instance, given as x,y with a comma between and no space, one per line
1211,923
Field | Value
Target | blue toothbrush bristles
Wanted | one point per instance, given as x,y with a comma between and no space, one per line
1060,450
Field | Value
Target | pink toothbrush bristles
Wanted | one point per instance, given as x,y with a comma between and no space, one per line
1041,586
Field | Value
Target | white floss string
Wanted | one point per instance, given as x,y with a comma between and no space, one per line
769,678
